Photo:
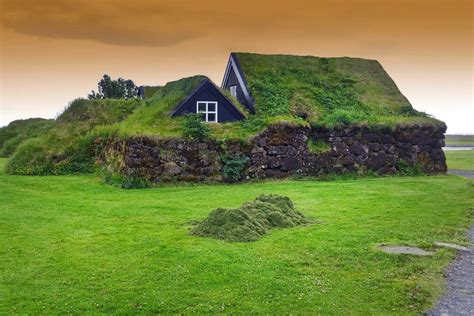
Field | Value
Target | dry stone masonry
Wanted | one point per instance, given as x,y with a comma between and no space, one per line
282,151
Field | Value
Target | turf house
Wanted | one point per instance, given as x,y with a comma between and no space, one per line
274,116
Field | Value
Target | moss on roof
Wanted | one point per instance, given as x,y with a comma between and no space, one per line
327,91
149,91
153,119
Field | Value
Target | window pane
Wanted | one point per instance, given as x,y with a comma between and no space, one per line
211,117
233,91
211,107
201,107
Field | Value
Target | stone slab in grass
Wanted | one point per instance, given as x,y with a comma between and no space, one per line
251,220
406,250
450,245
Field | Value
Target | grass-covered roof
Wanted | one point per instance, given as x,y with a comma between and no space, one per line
325,91
301,90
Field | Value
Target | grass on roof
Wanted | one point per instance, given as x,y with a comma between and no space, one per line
150,91
326,91
292,89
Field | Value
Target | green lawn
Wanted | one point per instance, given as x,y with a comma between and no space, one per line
70,244
460,140
460,159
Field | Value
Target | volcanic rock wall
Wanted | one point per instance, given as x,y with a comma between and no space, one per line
281,151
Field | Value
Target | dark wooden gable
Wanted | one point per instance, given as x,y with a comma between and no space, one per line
234,76
208,92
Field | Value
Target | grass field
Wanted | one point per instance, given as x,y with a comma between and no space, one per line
460,140
70,244
460,159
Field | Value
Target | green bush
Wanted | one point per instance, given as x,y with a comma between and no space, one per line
406,169
194,128
124,182
233,168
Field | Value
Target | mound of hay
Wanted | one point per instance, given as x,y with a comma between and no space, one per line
251,220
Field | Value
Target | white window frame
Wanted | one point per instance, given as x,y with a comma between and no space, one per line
206,112
233,90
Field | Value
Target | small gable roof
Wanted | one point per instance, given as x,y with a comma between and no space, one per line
206,83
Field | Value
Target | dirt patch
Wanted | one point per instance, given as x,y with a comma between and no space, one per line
250,221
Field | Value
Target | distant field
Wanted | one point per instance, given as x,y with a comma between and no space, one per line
460,140
72,245
460,159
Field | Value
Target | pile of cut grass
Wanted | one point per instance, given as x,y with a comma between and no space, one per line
251,220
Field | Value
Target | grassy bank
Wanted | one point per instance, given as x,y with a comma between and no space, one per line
460,159
70,244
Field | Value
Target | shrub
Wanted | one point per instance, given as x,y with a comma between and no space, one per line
233,168
125,182
409,170
194,128
250,221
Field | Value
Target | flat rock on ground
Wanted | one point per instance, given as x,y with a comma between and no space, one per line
449,245
405,250
458,298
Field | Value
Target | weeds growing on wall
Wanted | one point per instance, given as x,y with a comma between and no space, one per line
318,146
233,168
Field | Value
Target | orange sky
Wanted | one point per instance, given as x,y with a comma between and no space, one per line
53,51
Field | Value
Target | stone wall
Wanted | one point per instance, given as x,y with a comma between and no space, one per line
281,151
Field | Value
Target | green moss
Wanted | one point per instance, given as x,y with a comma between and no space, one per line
318,146
150,91
250,221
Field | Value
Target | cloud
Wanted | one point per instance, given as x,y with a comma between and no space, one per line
113,22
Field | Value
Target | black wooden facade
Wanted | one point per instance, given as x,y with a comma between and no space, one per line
234,77
210,102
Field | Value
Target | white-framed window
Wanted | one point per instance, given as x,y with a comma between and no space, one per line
233,91
209,109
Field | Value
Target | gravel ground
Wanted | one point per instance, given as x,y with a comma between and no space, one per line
464,173
458,298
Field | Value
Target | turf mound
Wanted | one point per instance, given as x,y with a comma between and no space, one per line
16,132
250,221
